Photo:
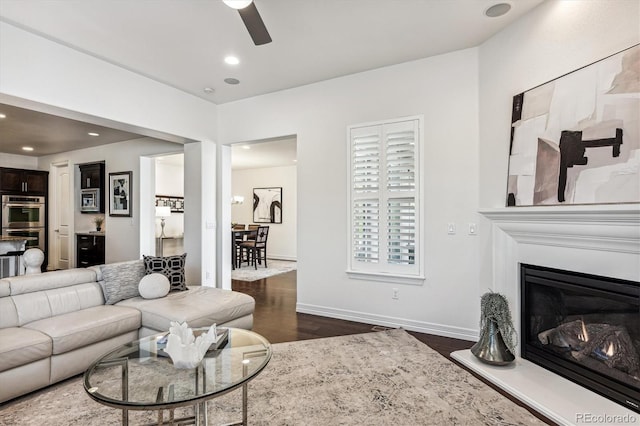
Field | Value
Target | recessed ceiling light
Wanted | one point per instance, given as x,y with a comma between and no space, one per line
93,134
3,115
208,90
246,147
497,10
27,148
295,161
231,80
237,4
232,60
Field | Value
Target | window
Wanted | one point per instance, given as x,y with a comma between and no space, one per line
384,200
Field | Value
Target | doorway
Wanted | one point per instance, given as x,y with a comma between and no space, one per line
61,207
257,168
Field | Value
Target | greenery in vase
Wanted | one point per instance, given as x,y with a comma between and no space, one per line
495,307
98,220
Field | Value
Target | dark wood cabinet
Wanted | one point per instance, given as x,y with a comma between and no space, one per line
92,177
26,182
90,250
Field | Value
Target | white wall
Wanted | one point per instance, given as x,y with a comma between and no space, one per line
121,232
445,90
466,99
18,161
554,39
282,240
170,181
53,74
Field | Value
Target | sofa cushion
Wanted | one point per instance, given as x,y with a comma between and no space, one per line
22,284
5,288
200,307
153,286
121,280
172,267
77,329
20,346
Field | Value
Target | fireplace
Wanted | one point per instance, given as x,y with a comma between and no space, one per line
585,328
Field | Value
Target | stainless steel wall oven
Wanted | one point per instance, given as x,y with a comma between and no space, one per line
21,211
25,216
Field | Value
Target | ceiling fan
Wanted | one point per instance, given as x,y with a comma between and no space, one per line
252,20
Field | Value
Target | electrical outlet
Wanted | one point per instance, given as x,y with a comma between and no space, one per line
396,294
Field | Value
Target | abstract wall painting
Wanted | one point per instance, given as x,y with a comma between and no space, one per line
267,205
120,197
576,139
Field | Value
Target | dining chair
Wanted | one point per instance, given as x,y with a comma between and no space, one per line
257,249
252,235
237,240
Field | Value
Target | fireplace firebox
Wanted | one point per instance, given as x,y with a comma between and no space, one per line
585,328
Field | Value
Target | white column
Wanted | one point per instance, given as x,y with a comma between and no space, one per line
200,212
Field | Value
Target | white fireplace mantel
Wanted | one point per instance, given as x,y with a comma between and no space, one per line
596,239
606,227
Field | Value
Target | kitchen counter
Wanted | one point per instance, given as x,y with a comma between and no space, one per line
12,243
12,239
92,233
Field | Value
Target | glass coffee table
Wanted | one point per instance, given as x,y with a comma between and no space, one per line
141,376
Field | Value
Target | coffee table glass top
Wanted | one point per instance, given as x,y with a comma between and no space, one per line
140,375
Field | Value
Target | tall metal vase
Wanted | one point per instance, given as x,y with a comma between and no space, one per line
491,348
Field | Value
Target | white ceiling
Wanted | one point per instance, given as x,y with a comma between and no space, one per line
182,43
274,153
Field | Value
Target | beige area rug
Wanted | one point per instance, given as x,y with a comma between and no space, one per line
382,378
275,267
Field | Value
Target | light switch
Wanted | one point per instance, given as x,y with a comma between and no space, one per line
473,229
451,228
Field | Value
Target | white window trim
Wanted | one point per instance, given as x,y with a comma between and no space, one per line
380,276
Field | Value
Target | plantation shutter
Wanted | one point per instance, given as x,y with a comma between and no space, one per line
384,208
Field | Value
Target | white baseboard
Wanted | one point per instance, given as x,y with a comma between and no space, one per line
282,257
407,324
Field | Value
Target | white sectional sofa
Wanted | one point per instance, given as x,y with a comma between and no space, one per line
54,325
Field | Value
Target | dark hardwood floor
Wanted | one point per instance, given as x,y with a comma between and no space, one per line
276,319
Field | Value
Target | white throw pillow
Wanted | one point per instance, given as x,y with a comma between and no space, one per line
153,286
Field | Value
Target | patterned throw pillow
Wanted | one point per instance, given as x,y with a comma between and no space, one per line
120,280
171,267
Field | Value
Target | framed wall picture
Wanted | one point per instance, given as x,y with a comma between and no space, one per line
267,205
576,139
120,196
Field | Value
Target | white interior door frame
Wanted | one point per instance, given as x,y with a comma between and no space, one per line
224,217
147,206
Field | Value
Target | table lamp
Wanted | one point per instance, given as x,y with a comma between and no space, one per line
163,212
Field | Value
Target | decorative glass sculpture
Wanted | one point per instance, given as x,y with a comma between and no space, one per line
185,350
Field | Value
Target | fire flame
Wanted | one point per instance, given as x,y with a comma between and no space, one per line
584,336
610,349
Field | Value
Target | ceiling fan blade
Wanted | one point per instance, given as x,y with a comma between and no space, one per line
253,21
